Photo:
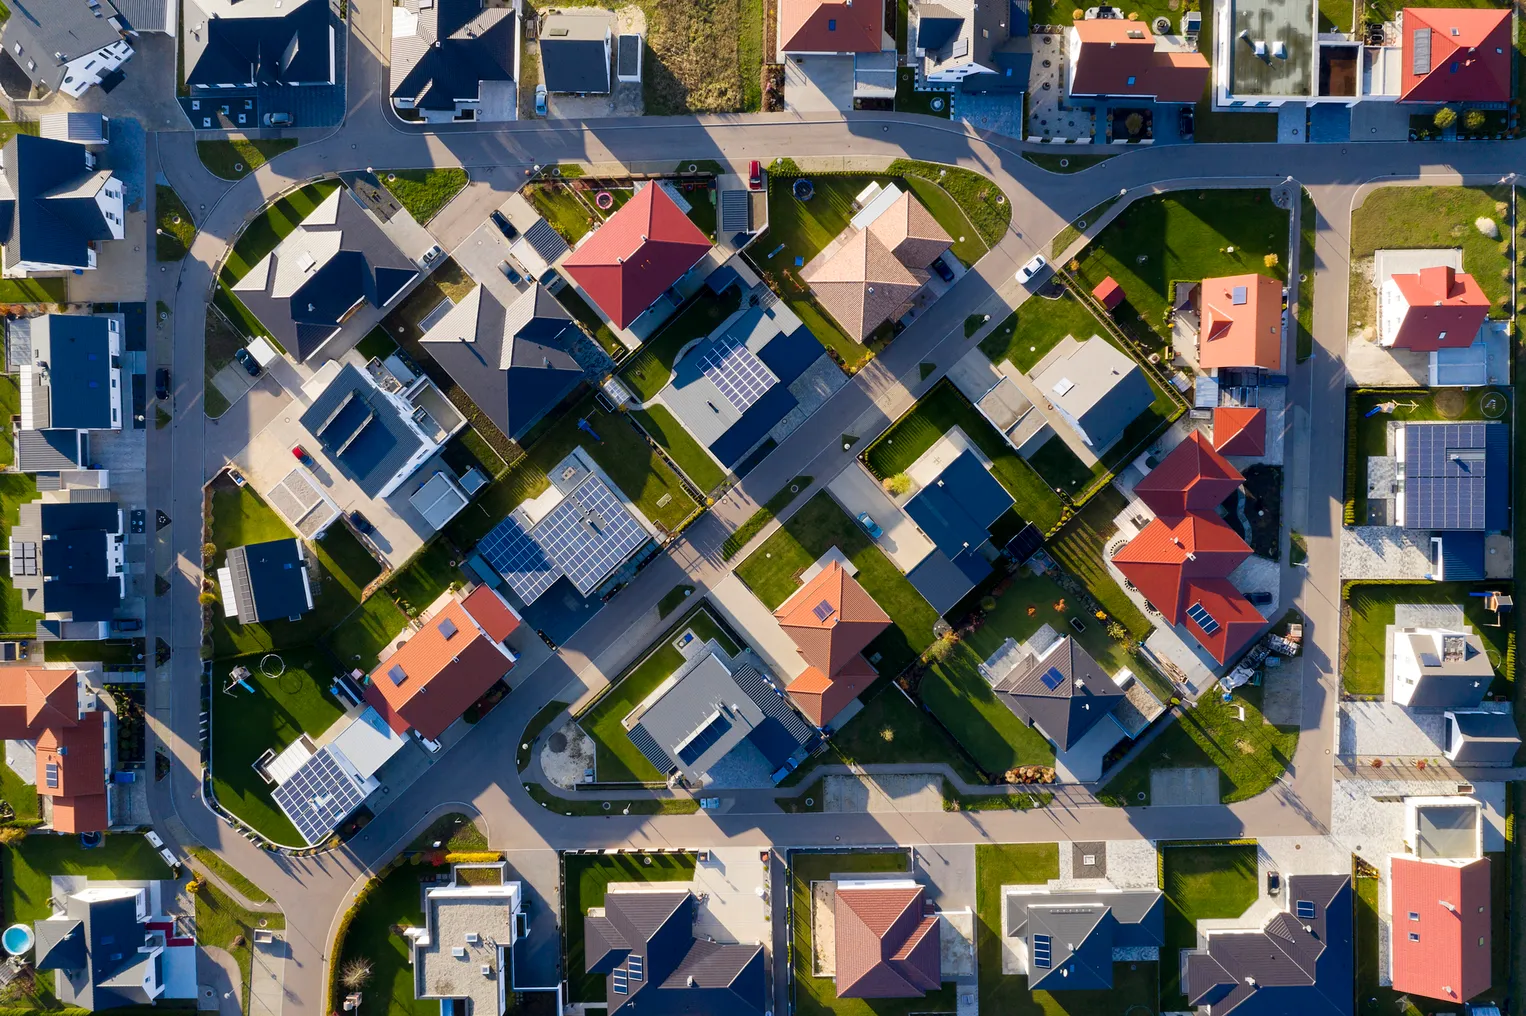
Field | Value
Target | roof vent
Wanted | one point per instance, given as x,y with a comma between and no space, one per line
557,33
487,970
1453,647
1135,33
692,982
472,938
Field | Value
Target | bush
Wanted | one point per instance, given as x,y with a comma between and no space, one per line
1270,260
897,485
1445,117
1133,123
1474,119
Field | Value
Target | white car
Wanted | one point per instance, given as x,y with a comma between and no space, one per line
1028,272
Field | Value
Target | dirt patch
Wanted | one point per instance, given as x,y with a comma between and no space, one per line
823,929
1263,510
1450,403
567,756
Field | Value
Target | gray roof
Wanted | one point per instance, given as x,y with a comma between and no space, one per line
1446,831
74,352
41,451
48,210
146,15
269,580
94,950
81,128
1459,677
49,29
362,430
1099,387
1064,693
574,52
458,45
1486,738
955,33
1083,929
59,557
257,42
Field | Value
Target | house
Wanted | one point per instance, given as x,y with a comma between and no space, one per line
455,60
1192,478
250,43
105,947
1430,309
888,939
68,563
55,206
1452,477
1062,692
1440,896
70,375
319,786
511,361
978,46
65,45
644,942
957,510
266,582
1455,54
1435,668
831,619
870,274
1240,322
1479,737
1109,293
575,51
1239,430
450,659
1121,59
462,954
627,264
337,260
1096,388
1068,938
70,738
830,26
719,720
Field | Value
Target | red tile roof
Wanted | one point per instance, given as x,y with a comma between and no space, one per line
1244,334
1446,308
1109,293
1118,57
819,26
84,814
439,674
76,755
1237,621
831,619
1168,556
33,699
1469,55
1444,952
492,612
821,697
640,251
1193,477
1239,430
887,947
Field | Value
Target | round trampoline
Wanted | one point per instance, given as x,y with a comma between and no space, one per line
271,665
803,189
605,200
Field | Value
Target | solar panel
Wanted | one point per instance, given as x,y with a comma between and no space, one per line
590,534
447,627
1052,678
522,561
1305,910
633,963
1204,620
731,366
702,739
621,985
1447,485
318,796
823,610
1041,951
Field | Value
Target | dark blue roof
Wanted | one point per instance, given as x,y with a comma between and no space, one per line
1462,557
361,430
754,425
79,371
789,355
276,579
722,279
1456,476
956,510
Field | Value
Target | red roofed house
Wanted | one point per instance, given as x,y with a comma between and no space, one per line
888,943
72,750
831,619
1240,322
1239,430
1193,477
821,26
446,665
1455,54
1109,293
1441,927
641,250
1434,308
1115,57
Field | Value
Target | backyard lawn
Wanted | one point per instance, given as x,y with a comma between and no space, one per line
891,728
21,796
962,700
996,865
772,571
1368,610
223,924
236,158
364,633
649,370
424,191
391,904
1081,547
272,226
173,220
1036,327
30,864
696,463
941,409
617,760
276,713
585,878
1200,882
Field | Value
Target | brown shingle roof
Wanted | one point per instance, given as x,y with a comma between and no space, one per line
910,232
886,946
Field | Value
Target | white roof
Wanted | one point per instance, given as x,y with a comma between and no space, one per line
367,742
289,761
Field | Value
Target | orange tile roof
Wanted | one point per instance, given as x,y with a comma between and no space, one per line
1470,55
1166,557
820,26
84,814
1238,622
34,698
1446,308
831,619
1247,333
1118,57
1239,430
492,612
1109,293
1193,477
821,697
887,946
79,755
1451,904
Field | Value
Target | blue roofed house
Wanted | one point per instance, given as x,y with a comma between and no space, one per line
69,371
244,43
980,47
956,511
107,948
1067,939
1452,481
56,205
67,46
266,582
68,562
455,60
575,51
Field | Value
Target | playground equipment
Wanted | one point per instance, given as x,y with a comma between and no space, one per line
239,678
803,189
605,200
585,428
1388,408
271,665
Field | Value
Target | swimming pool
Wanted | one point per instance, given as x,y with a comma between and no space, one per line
17,939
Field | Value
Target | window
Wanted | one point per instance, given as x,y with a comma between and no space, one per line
50,772
634,965
1480,940
1413,916
1305,910
1041,951
1414,936
621,985
1132,80
831,24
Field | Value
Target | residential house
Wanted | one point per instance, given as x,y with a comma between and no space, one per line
70,377
1119,59
1239,430
1440,896
575,50
1437,669
336,261
1062,692
318,787
1193,478
266,582
1434,308
1455,54
105,948
68,563
1480,737
644,942
1240,322
80,128
463,953
511,361
1068,939
1096,388
56,205
956,512
877,266
71,740
629,263
888,939
978,46
830,26
65,45
1454,477
831,619
455,60
1301,959
249,43
452,657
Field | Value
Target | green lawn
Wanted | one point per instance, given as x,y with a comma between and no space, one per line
772,570
272,226
962,700
934,414
968,247
762,517
34,290
1074,162
1071,231
617,760
225,925
649,370
424,191
21,796
31,863
236,158
377,344
1308,228
585,877
1200,882
559,205
1368,610
891,728
211,861
1337,15
1250,755
245,724
673,599
1081,547
1059,467
696,463
392,902
907,98
1036,327
1183,237
16,489
364,633
175,229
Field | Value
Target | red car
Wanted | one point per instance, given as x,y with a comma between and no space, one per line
755,178
302,456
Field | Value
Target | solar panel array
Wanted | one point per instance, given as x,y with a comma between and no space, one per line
516,556
741,377
701,741
1041,951
1305,910
318,796
1446,475
1052,678
1204,620
823,610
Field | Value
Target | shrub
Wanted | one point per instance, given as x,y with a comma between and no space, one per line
1445,117
897,485
1270,260
1133,123
1474,119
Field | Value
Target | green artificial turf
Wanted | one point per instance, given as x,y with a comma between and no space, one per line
1368,610
424,191
236,158
31,863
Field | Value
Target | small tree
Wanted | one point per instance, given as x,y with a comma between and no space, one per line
11,834
1445,117
941,649
897,485
1270,260
1133,123
355,973
1474,119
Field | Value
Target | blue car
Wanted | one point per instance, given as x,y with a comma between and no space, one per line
870,526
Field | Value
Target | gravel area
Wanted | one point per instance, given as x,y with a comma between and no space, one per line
568,754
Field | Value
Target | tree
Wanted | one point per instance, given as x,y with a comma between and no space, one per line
1445,117
941,649
355,973
1133,123
11,834
1270,260
897,485
1474,119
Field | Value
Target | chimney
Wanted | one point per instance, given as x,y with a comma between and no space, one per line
692,982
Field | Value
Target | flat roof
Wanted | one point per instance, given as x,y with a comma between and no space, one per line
1288,24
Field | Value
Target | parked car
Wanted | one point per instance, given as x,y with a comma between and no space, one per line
870,526
361,523
755,176
429,745
247,361
1259,598
944,271
127,624
302,456
1273,883
1184,123
1030,271
509,272
280,120
433,254
540,100
162,384
504,225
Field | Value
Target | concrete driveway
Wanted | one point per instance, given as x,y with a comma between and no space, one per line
818,84
901,541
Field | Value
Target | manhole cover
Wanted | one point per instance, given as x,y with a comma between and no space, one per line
558,742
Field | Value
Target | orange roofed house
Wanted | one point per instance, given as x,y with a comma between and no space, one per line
1454,54
448,663
47,707
1118,58
1240,322
887,938
821,26
1434,308
831,619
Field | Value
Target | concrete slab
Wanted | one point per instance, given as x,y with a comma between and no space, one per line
1184,787
1385,729
232,382
744,612
974,375
1282,692
873,794
901,540
735,880
832,554
948,872
1385,552
267,977
818,83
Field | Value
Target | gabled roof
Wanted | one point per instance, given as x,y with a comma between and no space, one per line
1441,927
1082,930
1167,556
831,619
74,351
909,231
1193,477
820,26
1240,322
52,33
1239,430
264,42
1446,308
71,769
1064,692
1220,617
1455,54
48,209
33,699
887,946
1109,293
455,45
1119,57
636,255
93,949
821,697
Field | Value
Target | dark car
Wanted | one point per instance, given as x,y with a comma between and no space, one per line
1273,883
248,362
127,624
509,272
1184,122
504,225
944,271
361,523
1260,598
162,384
